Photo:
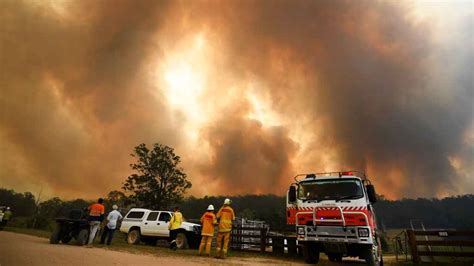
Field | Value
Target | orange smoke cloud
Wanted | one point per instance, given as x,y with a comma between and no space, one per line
249,93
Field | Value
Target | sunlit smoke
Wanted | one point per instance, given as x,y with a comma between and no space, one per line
249,93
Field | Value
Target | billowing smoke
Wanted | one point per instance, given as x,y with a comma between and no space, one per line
74,99
250,93
248,157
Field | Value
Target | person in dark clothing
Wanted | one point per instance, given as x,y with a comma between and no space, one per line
109,229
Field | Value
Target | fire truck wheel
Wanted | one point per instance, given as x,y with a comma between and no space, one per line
373,256
310,253
335,257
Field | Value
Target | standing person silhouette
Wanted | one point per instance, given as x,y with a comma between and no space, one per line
226,216
109,229
175,224
96,216
208,220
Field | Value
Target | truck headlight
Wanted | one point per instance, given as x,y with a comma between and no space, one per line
363,232
197,229
300,230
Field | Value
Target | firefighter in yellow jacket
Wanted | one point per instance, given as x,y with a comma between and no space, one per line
208,220
175,224
226,216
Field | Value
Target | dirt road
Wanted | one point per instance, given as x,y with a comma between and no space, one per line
20,249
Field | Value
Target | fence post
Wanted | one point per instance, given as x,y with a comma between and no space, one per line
263,239
395,244
406,246
414,250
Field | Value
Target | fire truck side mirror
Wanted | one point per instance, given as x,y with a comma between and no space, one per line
371,193
292,194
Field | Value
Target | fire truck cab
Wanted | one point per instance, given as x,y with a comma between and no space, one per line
333,214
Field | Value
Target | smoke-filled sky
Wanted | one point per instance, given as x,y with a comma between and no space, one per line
249,93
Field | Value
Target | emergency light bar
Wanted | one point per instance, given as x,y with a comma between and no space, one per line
340,174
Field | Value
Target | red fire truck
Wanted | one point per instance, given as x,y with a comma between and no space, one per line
333,214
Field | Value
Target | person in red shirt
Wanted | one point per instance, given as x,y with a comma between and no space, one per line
96,216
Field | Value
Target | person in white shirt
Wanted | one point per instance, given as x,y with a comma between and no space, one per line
109,230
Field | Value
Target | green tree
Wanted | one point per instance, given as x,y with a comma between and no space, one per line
22,204
47,211
248,214
159,182
119,198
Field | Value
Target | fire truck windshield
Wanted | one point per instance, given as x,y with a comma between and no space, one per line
330,189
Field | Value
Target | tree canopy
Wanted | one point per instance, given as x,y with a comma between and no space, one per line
450,212
159,182
22,204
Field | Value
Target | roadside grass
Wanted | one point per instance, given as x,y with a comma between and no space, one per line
26,231
119,244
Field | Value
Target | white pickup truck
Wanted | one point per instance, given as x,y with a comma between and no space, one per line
149,226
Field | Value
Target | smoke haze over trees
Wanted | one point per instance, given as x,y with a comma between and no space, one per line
250,93
450,212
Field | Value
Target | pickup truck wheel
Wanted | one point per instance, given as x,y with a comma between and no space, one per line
54,239
133,237
310,253
181,241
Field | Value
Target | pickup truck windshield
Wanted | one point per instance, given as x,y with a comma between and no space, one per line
331,189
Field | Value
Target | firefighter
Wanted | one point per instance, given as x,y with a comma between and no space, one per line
208,220
7,216
175,224
226,216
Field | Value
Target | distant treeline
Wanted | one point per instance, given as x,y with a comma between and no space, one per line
450,212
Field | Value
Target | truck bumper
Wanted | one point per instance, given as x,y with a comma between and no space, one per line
335,234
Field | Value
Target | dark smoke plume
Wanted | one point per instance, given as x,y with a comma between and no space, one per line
353,84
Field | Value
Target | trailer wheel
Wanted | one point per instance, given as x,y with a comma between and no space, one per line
54,239
82,237
66,239
310,253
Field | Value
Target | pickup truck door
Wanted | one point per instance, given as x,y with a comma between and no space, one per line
163,223
149,226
